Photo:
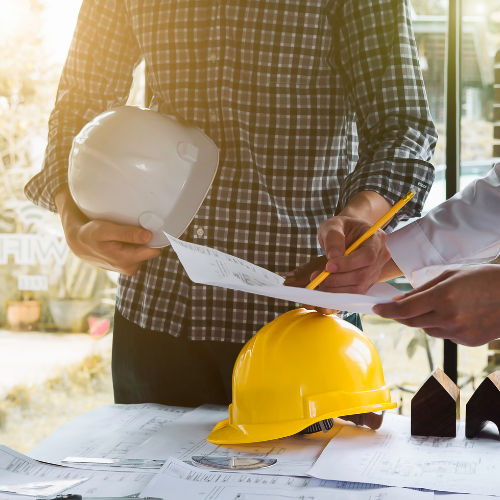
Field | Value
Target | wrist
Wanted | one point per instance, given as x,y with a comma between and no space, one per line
62,198
71,216
366,205
389,271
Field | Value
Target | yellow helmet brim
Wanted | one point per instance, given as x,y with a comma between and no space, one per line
225,434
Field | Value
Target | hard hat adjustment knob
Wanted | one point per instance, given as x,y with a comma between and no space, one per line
150,221
188,152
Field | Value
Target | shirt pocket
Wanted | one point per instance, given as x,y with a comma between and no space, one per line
282,41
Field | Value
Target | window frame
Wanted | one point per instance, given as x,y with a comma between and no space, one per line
453,138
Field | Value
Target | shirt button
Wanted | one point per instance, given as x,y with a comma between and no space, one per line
200,232
213,117
213,57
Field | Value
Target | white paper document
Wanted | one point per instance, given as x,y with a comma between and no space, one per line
392,457
459,496
110,431
179,480
187,436
207,266
17,469
41,488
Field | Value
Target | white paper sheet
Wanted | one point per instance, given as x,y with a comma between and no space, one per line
41,488
187,437
207,266
178,480
110,431
460,496
199,474
392,457
18,469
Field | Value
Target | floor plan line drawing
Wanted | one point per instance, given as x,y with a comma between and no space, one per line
260,496
392,457
111,431
20,469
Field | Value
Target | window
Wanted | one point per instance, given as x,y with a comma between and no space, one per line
458,49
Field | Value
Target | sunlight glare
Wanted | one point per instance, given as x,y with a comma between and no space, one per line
59,20
12,15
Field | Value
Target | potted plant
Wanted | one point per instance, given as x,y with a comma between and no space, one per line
76,296
23,314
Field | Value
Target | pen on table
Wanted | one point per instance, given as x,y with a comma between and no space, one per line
380,223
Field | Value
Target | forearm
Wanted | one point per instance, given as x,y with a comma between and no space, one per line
71,216
366,205
397,136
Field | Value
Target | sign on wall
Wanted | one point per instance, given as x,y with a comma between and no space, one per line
31,249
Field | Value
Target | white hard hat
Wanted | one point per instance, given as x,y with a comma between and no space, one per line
136,167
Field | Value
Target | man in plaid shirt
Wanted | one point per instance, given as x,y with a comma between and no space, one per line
321,118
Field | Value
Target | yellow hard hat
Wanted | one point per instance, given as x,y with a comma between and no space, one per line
301,369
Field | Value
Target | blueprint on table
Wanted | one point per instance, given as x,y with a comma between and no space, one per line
18,469
187,436
391,456
179,480
109,431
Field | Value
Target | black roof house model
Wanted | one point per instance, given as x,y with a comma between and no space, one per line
435,407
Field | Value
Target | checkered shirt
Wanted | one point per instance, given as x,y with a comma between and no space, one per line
309,102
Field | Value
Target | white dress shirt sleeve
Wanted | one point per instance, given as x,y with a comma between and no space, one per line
463,230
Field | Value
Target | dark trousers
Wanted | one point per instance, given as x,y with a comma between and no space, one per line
155,367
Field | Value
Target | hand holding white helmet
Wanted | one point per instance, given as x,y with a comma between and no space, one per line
136,167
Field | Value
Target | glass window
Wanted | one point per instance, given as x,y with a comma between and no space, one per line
430,23
408,354
480,148
48,374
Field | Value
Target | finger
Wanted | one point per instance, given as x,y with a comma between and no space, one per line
428,320
365,276
426,286
321,310
300,277
107,231
368,254
130,270
332,238
438,333
126,255
409,307
327,312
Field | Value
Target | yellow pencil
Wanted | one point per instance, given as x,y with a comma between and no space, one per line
380,223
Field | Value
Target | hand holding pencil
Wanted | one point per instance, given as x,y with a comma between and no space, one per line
348,272
367,234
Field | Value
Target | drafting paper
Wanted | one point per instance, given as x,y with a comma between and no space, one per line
179,480
41,488
198,474
438,495
207,266
18,469
392,457
106,432
187,437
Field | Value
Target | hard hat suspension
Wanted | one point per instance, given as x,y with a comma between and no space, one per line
324,425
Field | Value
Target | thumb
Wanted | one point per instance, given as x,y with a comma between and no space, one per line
332,238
